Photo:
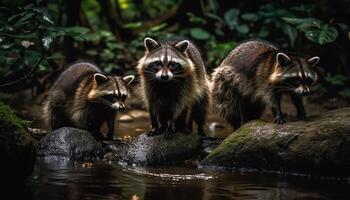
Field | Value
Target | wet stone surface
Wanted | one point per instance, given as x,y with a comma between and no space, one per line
79,145
71,143
156,150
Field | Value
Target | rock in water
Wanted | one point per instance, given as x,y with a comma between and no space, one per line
69,143
156,150
17,147
319,147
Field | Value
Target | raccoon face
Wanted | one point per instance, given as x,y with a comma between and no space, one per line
165,62
110,90
296,74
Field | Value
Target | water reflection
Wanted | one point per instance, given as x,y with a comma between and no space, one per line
105,181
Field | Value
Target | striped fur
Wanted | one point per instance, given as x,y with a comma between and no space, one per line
254,75
84,98
173,103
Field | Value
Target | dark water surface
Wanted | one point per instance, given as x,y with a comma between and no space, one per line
104,181
63,180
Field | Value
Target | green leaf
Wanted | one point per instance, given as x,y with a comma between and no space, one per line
107,54
134,25
199,33
322,36
250,16
242,29
47,41
24,20
336,80
291,32
231,17
195,19
77,33
303,23
114,46
47,19
158,28
91,52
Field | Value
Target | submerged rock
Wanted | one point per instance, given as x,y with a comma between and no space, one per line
320,146
17,147
156,150
70,143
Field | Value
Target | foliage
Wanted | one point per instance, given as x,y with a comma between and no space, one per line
314,29
27,35
110,33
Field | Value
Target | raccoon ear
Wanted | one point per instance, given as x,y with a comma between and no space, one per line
313,61
100,78
150,44
182,46
282,59
128,79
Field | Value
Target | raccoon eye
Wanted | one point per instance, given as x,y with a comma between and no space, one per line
155,64
124,96
309,81
110,97
174,64
293,80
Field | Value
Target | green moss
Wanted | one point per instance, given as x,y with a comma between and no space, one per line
8,118
12,128
230,144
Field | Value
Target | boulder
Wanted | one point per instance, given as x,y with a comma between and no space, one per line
69,143
319,147
17,147
156,150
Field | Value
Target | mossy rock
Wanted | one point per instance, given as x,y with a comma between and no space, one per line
319,147
17,147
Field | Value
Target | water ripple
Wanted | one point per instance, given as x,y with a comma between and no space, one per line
174,177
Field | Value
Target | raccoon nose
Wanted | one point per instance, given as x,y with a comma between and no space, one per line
305,92
121,107
164,76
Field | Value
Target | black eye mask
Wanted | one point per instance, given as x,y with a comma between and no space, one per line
155,65
110,97
295,81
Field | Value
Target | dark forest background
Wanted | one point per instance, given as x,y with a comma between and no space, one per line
44,36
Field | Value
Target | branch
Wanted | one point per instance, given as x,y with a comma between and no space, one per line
115,24
26,76
158,20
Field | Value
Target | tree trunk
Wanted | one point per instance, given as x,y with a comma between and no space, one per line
73,10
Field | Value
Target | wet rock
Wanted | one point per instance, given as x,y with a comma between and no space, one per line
156,150
17,147
318,147
69,143
209,144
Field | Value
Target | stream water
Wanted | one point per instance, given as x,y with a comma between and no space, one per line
104,181
64,180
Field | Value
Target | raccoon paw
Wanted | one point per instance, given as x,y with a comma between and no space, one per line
303,118
152,132
168,133
280,119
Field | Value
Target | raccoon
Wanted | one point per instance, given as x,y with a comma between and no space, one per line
255,74
84,97
174,86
